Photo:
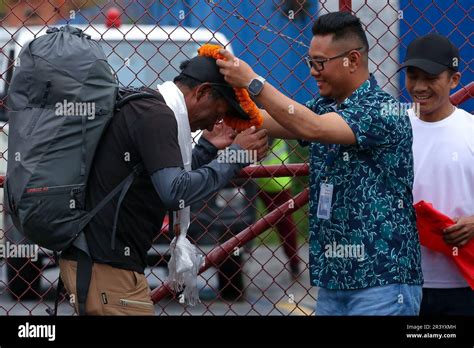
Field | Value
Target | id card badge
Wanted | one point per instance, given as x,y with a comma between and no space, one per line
325,201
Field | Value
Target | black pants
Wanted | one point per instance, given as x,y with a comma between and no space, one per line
458,301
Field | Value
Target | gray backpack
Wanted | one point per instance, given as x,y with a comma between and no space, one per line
62,97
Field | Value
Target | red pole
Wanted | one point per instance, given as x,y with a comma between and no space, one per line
463,94
277,170
345,5
220,252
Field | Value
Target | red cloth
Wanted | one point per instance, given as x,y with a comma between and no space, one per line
431,223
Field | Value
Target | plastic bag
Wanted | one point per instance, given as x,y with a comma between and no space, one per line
183,267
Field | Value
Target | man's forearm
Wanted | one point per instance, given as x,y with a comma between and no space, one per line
296,119
303,123
275,130
178,188
203,153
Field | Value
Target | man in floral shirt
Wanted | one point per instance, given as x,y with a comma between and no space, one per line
364,247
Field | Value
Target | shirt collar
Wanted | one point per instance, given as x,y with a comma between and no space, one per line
365,88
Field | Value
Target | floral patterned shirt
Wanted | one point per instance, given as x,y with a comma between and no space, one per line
370,238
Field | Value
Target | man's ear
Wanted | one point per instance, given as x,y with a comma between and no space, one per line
353,60
454,81
202,90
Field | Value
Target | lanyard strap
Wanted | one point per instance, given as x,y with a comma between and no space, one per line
333,152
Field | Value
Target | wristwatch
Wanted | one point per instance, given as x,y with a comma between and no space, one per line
256,86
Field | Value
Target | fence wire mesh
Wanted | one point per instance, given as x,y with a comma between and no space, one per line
145,42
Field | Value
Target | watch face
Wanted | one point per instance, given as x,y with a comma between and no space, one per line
255,86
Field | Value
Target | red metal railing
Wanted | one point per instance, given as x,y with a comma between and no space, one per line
463,94
221,252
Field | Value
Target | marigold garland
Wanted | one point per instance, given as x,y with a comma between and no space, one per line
242,95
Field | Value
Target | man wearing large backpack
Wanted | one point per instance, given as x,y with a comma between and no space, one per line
92,175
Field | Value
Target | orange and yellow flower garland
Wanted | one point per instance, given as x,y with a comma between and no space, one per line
243,97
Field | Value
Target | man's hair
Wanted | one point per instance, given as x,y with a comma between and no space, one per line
342,25
191,82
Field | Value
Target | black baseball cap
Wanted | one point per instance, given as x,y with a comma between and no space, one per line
432,53
205,69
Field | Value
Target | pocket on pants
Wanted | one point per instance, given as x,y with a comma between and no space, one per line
117,303
127,294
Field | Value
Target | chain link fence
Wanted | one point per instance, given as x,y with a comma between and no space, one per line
262,271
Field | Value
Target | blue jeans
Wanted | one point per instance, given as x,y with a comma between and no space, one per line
393,299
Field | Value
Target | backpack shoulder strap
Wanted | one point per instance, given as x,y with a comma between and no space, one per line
128,94
124,185
131,97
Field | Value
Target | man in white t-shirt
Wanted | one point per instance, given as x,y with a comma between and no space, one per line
443,149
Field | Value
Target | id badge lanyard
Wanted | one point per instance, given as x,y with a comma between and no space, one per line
326,190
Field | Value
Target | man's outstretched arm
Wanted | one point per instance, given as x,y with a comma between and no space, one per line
178,188
298,121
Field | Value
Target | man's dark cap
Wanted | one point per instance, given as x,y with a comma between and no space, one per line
432,53
205,69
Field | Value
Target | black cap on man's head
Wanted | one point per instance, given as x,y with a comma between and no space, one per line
205,69
432,53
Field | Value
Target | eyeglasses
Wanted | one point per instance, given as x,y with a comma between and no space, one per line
318,64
